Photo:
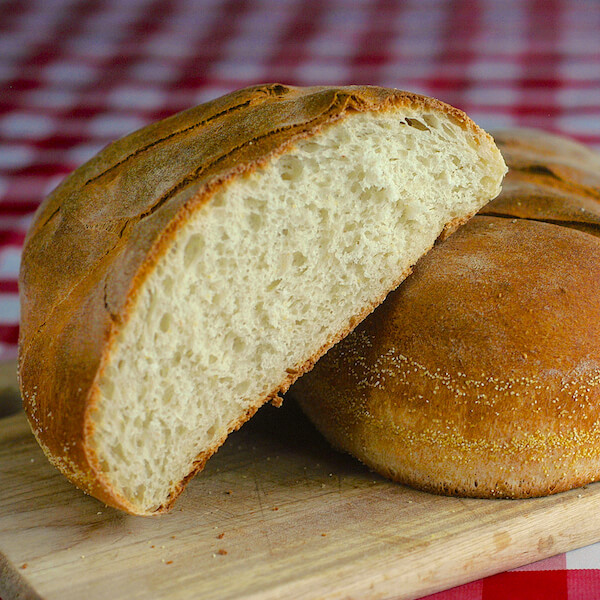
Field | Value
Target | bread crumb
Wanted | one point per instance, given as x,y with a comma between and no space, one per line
323,535
169,562
275,508
229,492
222,551
24,566
220,536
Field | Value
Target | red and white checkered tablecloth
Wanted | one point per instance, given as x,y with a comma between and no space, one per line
76,74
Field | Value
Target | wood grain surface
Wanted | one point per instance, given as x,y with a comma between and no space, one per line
276,514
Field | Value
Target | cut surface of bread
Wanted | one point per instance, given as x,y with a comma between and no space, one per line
244,279
479,376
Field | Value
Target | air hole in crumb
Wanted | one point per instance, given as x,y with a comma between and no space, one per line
192,250
117,450
299,259
139,492
241,388
448,130
417,124
108,388
291,167
168,394
255,221
312,147
168,284
165,322
432,121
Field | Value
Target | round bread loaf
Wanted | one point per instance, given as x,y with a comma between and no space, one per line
193,270
479,376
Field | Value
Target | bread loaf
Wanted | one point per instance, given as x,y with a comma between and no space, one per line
193,270
480,375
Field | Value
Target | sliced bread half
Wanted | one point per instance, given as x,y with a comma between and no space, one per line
193,270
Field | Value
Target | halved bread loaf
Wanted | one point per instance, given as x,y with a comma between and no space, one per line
193,270
480,375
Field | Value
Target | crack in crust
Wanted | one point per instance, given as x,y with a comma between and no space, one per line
269,90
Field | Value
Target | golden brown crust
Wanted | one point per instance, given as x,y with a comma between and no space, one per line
99,234
480,375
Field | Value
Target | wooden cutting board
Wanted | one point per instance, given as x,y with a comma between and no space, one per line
276,514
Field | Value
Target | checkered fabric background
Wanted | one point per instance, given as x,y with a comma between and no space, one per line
76,74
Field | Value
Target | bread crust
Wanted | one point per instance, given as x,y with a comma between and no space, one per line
97,237
480,375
